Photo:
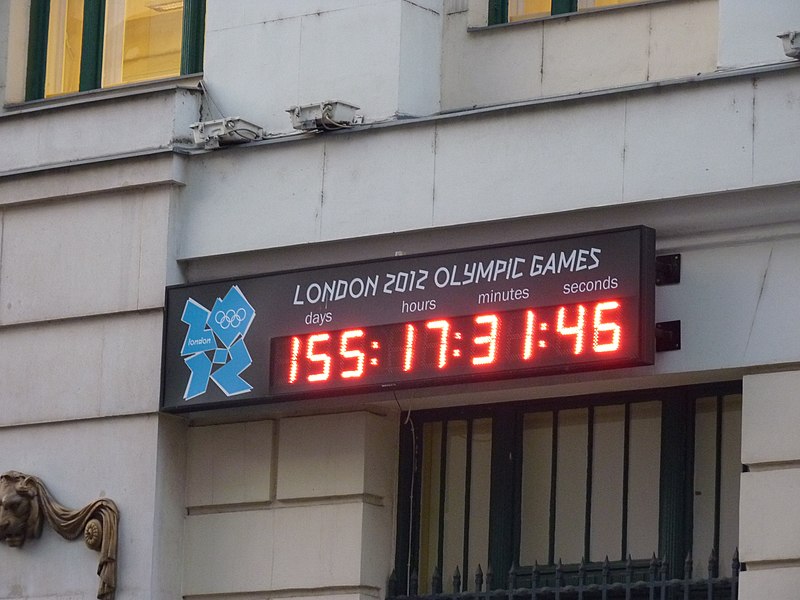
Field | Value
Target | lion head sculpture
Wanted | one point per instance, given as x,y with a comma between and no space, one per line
20,510
25,505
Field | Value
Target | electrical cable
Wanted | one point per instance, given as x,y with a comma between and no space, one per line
207,93
249,136
410,421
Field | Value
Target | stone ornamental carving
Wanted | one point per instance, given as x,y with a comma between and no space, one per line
25,505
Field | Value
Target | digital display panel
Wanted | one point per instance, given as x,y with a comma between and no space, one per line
541,340
523,309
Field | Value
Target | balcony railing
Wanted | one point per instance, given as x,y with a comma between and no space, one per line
628,580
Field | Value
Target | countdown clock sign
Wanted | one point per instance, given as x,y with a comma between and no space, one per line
542,307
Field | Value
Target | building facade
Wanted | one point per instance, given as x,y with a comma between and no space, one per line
480,124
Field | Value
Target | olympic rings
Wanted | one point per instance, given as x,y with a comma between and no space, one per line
230,317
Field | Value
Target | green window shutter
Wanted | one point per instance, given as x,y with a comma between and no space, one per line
498,12
194,26
92,49
564,6
37,49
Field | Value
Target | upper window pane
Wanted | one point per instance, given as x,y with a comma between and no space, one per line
80,45
519,10
64,44
527,9
142,40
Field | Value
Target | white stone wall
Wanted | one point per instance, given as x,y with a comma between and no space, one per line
263,57
685,141
747,31
97,215
302,505
564,55
84,255
127,459
770,488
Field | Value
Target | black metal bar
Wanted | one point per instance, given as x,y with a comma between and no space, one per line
675,500
517,456
628,577
551,552
587,533
436,581
652,578
442,494
408,513
626,455
467,488
713,564
687,575
501,500
718,474
559,579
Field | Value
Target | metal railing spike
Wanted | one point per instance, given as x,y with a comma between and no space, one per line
653,578
713,564
479,579
512,576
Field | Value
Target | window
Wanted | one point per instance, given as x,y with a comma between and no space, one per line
570,480
503,11
78,45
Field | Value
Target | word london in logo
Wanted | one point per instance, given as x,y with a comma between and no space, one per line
216,337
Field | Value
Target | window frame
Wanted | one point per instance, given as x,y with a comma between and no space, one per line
498,11
91,68
676,477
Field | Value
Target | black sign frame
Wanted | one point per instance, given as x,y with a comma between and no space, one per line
290,302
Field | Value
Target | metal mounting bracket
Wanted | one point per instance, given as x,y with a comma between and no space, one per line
668,269
668,336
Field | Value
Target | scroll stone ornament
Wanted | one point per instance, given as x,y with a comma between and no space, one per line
25,504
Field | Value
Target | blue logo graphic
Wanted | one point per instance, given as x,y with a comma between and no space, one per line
216,337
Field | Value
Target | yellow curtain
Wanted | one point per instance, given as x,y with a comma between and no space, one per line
142,40
64,43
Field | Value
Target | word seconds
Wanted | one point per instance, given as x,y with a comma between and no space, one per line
568,337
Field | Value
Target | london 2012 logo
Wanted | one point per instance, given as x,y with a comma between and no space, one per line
216,337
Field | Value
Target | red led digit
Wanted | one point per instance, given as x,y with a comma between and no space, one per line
293,363
599,326
325,359
444,326
576,330
487,340
356,354
527,344
408,351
